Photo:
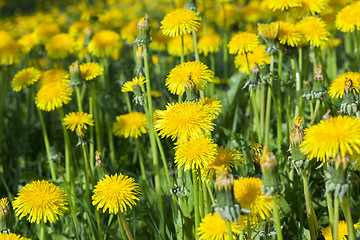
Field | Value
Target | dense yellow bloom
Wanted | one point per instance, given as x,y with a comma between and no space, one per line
258,55
116,192
311,6
327,139
10,53
342,231
268,31
159,41
4,209
5,38
44,31
77,28
281,5
212,104
348,79
195,154
243,42
130,31
194,74
60,46
53,95
213,227
105,43
11,236
180,22
347,19
223,157
184,121
174,46
42,201
27,42
54,76
314,31
129,85
25,78
132,124
78,120
289,34
248,194
90,71
210,43
226,16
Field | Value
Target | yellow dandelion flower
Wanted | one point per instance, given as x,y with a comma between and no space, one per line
342,231
195,154
5,38
25,78
213,227
77,120
116,192
4,209
174,46
10,53
223,157
44,31
212,104
231,15
11,236
337,87
196,73
314,31
180,22
210,43
60,46
129,85
53,95
90,71
289,34
132,124
54,76
159,42
258,55
184,120
347,19
282,5
311,6
105,43
243,42
27,42
268,31
78,27
327,139
42,201
130,31
248,194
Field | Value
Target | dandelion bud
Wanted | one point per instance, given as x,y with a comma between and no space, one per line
299,160
256,153
98,161
318,75
297,131
224,180
4,214
139,52
74,73
80,131
270,174
268,31
336,177
327,115
144,31
74,67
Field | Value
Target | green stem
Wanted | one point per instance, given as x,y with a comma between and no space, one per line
298,86
278,107
141,161
196,201
127,230
207,204
195,46
248,230
335,233
182,49
356,50
210,193
128,104
329,204
78,98
308,205
92,133
277,218
42,231
47,146
212,63
98,222
225,43
229,231
268,103
348,218
123,233
317,106
262,110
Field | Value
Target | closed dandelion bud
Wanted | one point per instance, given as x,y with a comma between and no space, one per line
88,33
297,135
74,74
99,164
4,214
327,115
190,89
144,31
256,153
226,205
269,32
80,131
349,104
336,177
318,89
270,173
254,78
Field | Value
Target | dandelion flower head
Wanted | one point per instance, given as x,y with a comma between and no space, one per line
25,78
54,76
210,43
174,46
188,73
78,120
42,201
248,194
195,153
212,104
213,227
268,31
53,95
132,124
347,19
11,53
327,139
258,55
342,231
105,43
348,80
136,81
90,71
116,192
314,31
311,7
243,42
11,236
180,22
44,31
60,46
289,34
282,5
184,121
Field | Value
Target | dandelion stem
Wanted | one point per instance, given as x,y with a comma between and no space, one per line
206,199
308,204
317,106
127,230
127,99
277,219
212,64
123,233
141,161
182,49
329,205
196,201
336,219
91,129
196,51
229,231
356,50
278,106
42,231
347,212
268,103
225,42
